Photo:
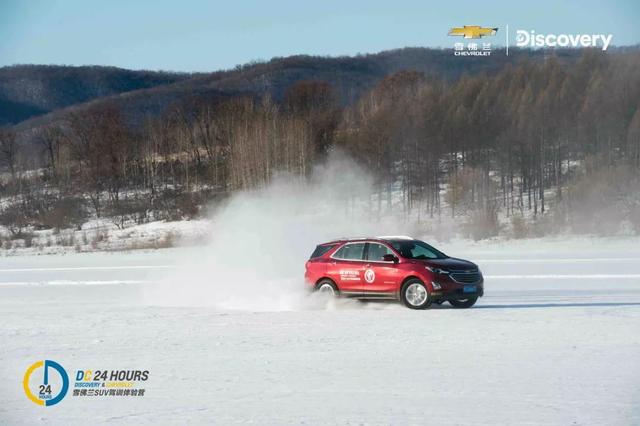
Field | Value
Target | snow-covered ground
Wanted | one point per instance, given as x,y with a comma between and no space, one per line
102,235
556,340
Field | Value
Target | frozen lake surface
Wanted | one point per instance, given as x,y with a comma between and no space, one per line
556,340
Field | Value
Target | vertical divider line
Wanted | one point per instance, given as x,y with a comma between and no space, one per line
507,39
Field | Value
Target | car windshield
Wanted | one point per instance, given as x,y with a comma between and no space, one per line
415,249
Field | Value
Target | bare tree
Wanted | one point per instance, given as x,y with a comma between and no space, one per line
9,150
51,139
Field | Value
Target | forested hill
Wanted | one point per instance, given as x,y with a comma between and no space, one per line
41,93
31,90
547,143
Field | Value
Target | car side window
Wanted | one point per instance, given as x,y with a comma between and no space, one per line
321,249
377,251
350,252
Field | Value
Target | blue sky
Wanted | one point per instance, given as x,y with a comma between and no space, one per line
210,35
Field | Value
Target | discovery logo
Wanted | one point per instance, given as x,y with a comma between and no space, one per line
531,39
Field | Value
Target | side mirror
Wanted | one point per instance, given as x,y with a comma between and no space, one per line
390,258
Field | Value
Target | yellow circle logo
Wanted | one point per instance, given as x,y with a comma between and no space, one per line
48,392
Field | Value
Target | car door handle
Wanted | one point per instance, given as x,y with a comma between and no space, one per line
368,265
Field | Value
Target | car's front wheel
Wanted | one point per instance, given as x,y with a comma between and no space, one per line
415,295
327,287
464,303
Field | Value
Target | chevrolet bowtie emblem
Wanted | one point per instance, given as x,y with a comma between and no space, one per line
472,31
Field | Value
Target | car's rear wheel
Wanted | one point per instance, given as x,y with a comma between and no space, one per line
464,303
327,287
415,295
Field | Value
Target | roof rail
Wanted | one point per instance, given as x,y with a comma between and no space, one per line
395,237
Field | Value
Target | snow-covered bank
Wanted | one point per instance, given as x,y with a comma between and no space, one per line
104,236
559,246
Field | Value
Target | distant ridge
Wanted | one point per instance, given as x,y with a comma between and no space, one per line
32,96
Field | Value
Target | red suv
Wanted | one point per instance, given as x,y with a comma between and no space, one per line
399,268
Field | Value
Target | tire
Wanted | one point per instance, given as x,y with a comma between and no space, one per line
464,304
326,286
415,295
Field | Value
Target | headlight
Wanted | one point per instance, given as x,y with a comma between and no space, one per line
437,270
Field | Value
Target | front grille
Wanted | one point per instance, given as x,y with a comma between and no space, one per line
469,277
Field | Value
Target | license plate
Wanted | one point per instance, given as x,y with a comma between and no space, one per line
469,289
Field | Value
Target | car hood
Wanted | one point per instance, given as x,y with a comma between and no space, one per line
449,263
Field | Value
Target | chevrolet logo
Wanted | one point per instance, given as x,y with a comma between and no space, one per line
472,31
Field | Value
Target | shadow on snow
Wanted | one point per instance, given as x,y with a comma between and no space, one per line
557,305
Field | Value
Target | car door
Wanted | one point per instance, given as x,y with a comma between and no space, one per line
346,268
380,277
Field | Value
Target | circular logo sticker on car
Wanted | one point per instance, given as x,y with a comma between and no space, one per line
369,275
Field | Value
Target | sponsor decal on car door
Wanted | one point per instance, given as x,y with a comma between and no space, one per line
380,276
346,268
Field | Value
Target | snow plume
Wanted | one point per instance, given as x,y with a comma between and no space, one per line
261,240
